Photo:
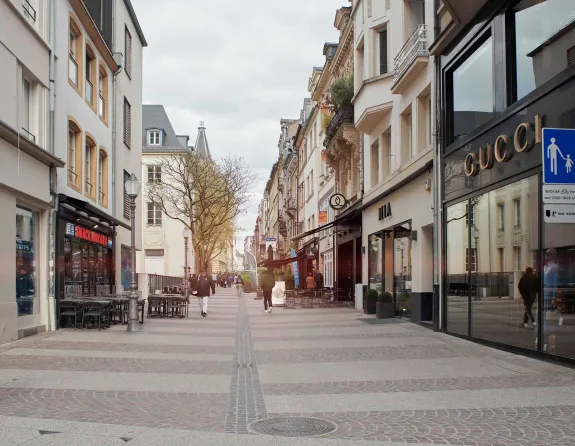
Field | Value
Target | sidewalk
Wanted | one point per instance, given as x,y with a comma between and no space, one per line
205,381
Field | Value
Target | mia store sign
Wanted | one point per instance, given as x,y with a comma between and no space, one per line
385,211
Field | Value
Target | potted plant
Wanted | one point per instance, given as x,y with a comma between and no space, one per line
385,308
370,299
341,92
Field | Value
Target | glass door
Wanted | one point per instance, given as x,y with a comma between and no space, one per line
402,269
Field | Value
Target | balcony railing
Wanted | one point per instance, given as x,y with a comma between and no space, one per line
89,91
101,106
415,46
344,114
101,197
73,70
290,203
29,10
29,136
72,176
88,187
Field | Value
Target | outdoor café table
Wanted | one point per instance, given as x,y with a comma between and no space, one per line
165,298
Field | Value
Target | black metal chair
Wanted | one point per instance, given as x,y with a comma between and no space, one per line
95,311
71,309
175,307
155,306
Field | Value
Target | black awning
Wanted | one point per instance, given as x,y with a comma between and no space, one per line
81,205
349,214
281,262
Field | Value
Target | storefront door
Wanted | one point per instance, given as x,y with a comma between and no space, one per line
402,269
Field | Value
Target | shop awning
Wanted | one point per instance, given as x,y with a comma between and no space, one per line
81,205
349,214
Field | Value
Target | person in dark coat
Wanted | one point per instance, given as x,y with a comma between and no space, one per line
528,288
267,283
318,277
204,285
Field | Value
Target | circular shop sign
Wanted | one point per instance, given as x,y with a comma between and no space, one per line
337,201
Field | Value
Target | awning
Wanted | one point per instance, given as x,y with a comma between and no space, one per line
349,213
281,262
81,205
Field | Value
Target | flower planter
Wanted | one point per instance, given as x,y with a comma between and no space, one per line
385,310
370,306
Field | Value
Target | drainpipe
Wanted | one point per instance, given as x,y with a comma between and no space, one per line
437,229
51,309
114,113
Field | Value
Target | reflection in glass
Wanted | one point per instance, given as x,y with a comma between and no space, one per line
501,310
544,35
375,259
473,91
402,269
457,280
26,274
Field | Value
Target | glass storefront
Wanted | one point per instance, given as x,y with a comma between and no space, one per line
389,265
27,297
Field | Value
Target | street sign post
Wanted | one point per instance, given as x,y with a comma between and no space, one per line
558,192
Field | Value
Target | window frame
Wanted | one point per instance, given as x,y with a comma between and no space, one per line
128,51
127,211
91,167
151,139
91,75
383,65
76,167
76,54
155,170
156,210
102,110
127,123
103,177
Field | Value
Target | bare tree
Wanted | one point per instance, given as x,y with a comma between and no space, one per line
205,195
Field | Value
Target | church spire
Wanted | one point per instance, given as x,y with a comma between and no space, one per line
202,147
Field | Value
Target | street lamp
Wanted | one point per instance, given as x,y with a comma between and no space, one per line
186,233
132,190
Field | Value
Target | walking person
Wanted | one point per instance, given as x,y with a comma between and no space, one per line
267,283
204,285
528,288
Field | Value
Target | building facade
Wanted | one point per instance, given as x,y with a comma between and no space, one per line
27,171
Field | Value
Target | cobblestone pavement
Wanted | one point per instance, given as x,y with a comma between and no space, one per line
206,380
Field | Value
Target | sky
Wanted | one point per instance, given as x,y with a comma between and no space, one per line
238,66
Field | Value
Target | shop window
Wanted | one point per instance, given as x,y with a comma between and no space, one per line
375,262
154,215
328,270
472,101
103,93
544,33
74,163
103,178
27,230
75,55
90,167
91,70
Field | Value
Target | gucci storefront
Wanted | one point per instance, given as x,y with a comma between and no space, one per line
509,271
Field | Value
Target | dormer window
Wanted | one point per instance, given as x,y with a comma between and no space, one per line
154,138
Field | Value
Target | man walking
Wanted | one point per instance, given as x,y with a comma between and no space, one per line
267,283
204,285
528,288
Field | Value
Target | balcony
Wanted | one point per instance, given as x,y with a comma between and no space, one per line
372,102
342,116
29,136
290,205
410,60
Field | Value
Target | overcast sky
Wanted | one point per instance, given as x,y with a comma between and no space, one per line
238,66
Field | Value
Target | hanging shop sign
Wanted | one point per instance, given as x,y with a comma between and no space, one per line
322,217
385,211
337,201
523,140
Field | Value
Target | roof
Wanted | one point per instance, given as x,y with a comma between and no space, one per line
155,117
134,18
202,147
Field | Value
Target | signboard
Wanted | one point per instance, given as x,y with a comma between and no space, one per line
278,294
88,235
322,217
337,202
559,213
295,269
559,194
384,211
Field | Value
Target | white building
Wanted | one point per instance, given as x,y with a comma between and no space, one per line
163,243
393,110
99,49
26,168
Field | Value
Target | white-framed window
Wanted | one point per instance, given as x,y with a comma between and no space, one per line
517,212
328,270
27,109
500,217
154,173
501,256
154,215
517,254
470,215
88,168
154,138
473,265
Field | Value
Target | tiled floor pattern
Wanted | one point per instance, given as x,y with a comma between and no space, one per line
204,380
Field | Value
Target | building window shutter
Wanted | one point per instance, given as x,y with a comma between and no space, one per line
127,122
128,45
383,51
571,56
126,198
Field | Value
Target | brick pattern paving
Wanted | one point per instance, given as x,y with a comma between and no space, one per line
355,354
523,426
120,347
192,411
419,385
246,401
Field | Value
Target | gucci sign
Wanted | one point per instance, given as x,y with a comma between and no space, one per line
525,137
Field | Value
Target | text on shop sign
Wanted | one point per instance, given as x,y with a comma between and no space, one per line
385,211
91,236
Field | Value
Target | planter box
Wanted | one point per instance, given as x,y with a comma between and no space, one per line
370,306
385,310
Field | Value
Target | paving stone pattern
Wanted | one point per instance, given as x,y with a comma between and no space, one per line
122,347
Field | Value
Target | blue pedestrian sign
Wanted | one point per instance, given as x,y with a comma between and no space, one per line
558,156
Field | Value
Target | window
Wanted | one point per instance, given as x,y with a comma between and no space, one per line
310,185
29,10
469,215
90,76
154,215
102,93
517,212
128,47
75,55
103,178
154,173
472,91
127,123
90,172
328,270
27,296
406,135
473,259
383,52
154,138
27,108
500,217
126,197
74,163
501,259
517,257
543,36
